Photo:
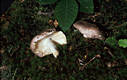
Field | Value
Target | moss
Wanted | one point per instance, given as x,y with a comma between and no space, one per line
25,23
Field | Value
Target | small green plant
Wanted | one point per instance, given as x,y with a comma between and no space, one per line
122,43
111,41
66,10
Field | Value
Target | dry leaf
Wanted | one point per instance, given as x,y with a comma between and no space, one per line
125,61
50,22
5,26
56,23
21,1
2,51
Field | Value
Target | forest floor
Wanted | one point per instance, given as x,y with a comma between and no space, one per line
21,22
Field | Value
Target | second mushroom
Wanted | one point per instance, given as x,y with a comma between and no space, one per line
88,30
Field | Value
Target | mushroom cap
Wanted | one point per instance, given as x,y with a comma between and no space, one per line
46,47
39,37
59,38
45,43
88,30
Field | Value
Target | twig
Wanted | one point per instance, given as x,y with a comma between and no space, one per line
45,13
13,77
97,56
109,52
80,62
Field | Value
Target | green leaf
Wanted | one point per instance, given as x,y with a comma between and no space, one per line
122,43
86,6
111,41
45,2
66,12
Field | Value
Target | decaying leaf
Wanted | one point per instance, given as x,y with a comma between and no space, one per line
3,68
56,23
21,1
45,43
88,30
5,26
125,61
2,51
112,64
50,22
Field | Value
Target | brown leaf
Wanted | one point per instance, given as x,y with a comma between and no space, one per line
56,23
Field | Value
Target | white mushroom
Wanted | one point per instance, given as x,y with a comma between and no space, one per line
45,43
88,30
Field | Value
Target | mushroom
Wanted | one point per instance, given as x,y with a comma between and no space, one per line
45,43
88,30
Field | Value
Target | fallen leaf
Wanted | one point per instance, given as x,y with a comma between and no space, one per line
56,23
